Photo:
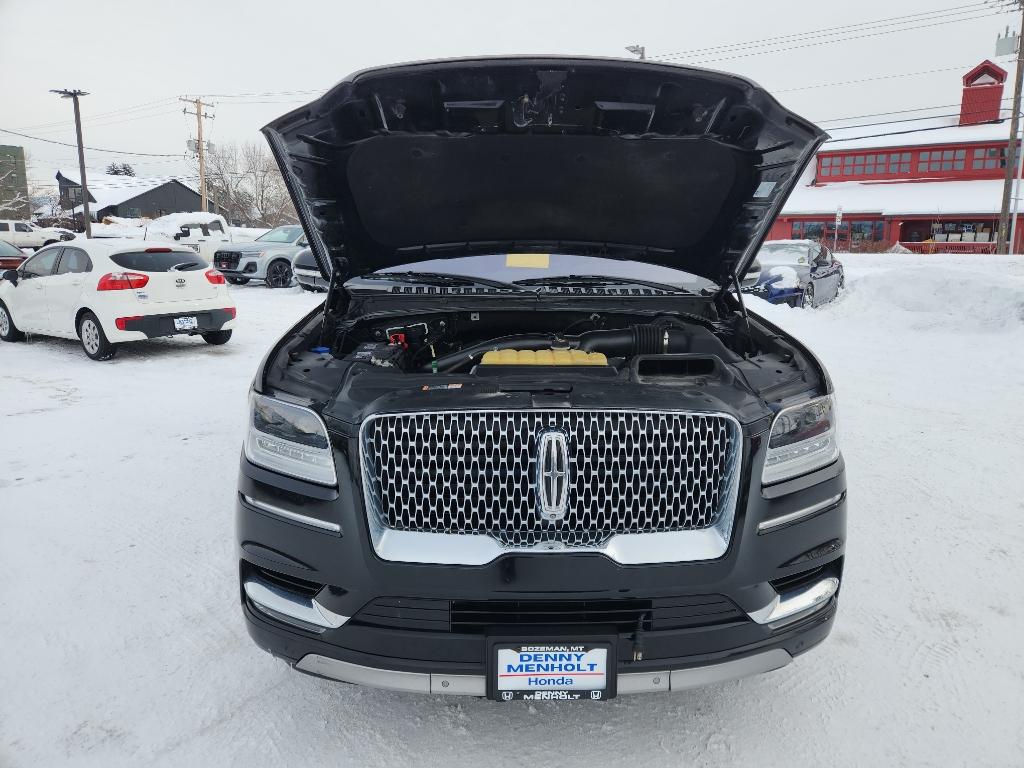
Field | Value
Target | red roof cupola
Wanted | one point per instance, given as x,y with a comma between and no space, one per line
983,94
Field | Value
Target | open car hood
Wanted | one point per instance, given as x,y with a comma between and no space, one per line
680,167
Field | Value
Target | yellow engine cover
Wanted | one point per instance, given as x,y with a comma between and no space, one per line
543,357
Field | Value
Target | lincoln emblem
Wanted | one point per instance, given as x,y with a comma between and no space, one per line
552,483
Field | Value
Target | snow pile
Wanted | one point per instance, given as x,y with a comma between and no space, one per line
172,223
784,278
923,296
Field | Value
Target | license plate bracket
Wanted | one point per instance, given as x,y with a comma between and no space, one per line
551,668
188,323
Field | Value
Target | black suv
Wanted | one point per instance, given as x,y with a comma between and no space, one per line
532,445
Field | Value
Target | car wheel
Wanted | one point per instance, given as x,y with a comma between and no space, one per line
8,330
842,283
94,340
279,274
216,338
807,300
49,242
238,280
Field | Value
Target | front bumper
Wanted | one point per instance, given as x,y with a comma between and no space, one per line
241,265
310,279
791,535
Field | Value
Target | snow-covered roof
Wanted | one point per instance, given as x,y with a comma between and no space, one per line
898,197
915,133
109,190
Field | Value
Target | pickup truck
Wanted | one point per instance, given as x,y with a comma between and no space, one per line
24,234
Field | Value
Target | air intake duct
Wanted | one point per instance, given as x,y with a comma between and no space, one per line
636,340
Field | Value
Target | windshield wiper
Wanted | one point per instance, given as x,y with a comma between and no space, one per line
439,279
184,265
598,281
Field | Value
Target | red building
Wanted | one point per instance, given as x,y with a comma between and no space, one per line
930,184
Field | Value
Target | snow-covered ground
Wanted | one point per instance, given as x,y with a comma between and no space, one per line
121,638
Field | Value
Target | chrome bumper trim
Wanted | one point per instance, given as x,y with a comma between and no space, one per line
476,685
295,517
775,522
795,603
291,607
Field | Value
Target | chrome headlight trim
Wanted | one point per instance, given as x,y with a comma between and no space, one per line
793,458
293,442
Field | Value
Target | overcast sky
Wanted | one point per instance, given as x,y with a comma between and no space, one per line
136,58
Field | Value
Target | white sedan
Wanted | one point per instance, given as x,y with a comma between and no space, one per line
105,292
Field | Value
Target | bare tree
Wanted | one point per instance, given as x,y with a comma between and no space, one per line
226,183
271,204
245,181
16,204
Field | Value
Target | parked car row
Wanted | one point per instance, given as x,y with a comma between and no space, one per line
105,292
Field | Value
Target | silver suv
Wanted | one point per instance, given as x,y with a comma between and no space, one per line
267,258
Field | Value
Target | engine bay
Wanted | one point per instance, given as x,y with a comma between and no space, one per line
484,344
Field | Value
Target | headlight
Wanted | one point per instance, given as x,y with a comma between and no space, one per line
803,438
289,439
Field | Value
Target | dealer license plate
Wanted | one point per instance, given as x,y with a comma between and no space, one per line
185,323
193,246
563,671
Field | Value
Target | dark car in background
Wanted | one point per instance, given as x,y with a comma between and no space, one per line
307,272
10,256
533,447
801,273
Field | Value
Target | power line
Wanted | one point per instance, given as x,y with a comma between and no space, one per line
828,31
91,149
893,133
845,39
895,112
100,115
874,79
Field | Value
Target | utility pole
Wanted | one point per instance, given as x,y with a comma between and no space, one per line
1002,243
638,50
200,146
73,95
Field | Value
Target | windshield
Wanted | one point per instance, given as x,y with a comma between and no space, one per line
789,254
528,267
6,249
281,235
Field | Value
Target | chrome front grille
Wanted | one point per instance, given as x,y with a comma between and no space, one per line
477,473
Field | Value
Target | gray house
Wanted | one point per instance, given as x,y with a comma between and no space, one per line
129,197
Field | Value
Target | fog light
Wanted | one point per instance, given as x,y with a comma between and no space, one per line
792,603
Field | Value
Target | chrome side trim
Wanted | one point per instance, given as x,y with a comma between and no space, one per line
789,517
476,685
642,682
291,607
388,679
626,549
695,677
458,685
792,604
294,517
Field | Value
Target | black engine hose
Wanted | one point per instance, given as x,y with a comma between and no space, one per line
635,340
